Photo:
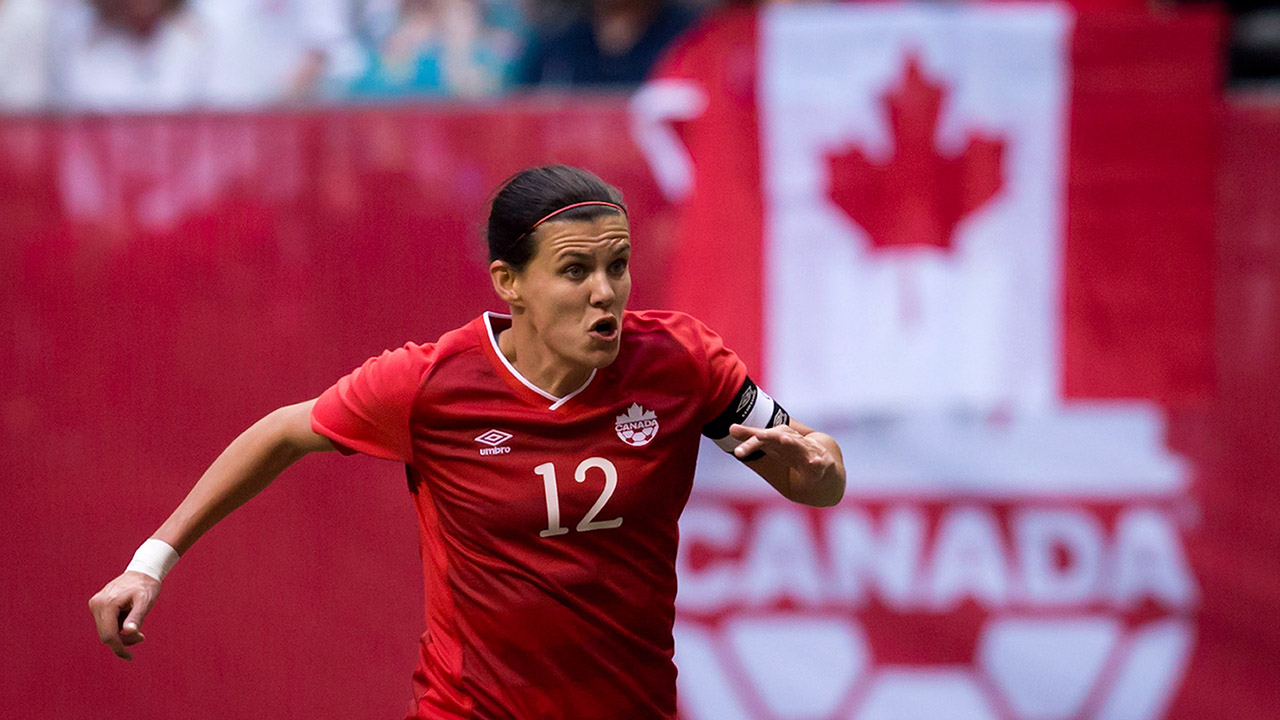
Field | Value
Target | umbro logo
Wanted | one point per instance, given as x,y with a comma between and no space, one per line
494,439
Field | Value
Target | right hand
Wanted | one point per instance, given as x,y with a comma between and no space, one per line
119,608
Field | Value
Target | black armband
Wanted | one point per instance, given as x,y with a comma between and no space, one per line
751,407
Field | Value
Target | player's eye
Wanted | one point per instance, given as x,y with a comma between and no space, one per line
575,272
618,266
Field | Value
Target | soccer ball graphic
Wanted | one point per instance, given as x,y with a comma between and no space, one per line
636,426
789,668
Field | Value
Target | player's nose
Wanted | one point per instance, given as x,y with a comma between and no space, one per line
602,290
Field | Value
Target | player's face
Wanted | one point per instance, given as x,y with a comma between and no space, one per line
575,287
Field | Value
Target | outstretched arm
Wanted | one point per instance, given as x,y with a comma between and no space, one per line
801,463
247,466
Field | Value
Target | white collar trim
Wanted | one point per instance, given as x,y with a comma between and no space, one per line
493,340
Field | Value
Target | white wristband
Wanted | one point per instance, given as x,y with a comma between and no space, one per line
155,558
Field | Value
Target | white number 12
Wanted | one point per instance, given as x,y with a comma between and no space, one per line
548,473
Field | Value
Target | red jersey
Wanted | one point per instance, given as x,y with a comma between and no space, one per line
547,525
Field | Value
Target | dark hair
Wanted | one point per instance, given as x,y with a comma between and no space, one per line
532,194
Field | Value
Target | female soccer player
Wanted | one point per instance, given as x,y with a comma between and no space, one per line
550,453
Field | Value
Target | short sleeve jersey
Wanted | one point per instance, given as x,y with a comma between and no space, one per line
547,525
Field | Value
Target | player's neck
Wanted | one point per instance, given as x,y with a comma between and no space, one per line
537,364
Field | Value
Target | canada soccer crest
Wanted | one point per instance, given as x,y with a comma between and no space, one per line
636,426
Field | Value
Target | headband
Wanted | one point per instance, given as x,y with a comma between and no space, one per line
554,213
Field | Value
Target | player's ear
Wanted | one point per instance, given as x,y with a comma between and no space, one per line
504,278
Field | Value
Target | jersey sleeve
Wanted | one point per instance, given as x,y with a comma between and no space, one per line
722,369
731,396
369,410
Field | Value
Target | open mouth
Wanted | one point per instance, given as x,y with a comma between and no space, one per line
605,328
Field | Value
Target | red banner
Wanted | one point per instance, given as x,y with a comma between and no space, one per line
981,255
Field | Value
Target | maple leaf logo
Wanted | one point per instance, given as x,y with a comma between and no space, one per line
919,197
636,413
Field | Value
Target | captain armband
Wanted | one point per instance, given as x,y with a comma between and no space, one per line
751,407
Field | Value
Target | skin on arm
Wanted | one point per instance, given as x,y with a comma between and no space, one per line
243,470
806,466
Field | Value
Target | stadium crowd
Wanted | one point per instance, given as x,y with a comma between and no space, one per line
155,55
159,55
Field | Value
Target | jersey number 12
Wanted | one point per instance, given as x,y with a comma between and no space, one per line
548,473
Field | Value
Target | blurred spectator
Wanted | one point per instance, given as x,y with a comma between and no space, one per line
445,47
1255,42
119,55
616,43
24,53
280,50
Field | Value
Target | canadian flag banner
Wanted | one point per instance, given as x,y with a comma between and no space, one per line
887,137
973,243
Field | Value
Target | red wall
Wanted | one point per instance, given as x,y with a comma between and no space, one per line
164,282
1238,443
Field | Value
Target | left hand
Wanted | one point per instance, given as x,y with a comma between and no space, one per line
786,445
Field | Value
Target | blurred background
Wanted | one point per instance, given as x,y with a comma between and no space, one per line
1022,259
